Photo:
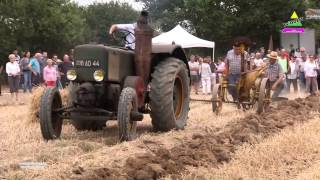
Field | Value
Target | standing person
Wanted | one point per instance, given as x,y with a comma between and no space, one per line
275,75
310,70
56,64
13,70
45,56
258,61
43,63
24,65
16,55
34,66
220,69
318,71
234,68
292,50
64,67
1,69
50,74
263,52
297,53
283,61
302,58
194,73
293,73
213,68
205,72
71,55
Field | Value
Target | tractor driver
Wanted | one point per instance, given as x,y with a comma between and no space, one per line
233,68
129,29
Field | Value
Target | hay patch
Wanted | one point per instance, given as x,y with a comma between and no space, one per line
36,98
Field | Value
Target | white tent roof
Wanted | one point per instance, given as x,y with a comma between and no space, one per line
181,37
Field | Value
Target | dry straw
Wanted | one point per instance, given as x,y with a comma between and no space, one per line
36,98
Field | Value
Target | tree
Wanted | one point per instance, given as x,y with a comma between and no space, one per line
223,20
100,16
54,26
165,13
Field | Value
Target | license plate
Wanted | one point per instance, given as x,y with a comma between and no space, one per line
87,63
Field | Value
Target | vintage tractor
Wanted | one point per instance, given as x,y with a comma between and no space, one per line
113,83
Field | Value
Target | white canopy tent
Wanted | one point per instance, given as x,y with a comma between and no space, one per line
181,37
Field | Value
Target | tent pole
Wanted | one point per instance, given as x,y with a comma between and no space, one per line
213,53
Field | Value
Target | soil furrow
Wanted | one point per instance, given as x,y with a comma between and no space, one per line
208,149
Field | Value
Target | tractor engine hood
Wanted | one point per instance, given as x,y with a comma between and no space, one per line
102,63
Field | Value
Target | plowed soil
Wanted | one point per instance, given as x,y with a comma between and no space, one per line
210,148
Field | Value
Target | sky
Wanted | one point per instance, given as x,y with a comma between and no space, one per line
135,5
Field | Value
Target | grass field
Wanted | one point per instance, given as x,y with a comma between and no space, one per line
233,145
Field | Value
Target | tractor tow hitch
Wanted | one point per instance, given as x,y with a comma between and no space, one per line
136,116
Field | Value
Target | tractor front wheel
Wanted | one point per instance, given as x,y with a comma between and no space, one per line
127,104
50,121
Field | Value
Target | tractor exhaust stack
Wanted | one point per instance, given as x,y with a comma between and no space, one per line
143,48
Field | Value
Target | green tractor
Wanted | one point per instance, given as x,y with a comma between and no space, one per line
113,83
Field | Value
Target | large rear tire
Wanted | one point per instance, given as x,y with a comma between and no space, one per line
127,103
50,121
169,95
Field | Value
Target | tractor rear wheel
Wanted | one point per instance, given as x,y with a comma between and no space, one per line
128,103
50,121
169,95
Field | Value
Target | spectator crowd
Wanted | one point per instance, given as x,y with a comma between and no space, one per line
30,70
299,70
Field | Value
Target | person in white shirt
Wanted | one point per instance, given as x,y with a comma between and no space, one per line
292,76
128,29
258,61
13,71
205,72
310,70
194,73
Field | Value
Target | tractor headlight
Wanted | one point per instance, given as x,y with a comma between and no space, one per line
72,75
98,75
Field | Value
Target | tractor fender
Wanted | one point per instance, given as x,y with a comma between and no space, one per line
161,52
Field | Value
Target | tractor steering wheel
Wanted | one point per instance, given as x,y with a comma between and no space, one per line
123,34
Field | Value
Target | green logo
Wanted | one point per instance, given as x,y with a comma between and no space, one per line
294,25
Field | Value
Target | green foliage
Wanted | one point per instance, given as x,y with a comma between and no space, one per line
100,17
57,25
223,20
54,25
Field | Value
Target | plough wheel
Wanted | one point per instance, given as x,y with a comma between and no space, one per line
264,96
216,99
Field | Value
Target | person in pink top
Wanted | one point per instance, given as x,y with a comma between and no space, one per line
50,74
